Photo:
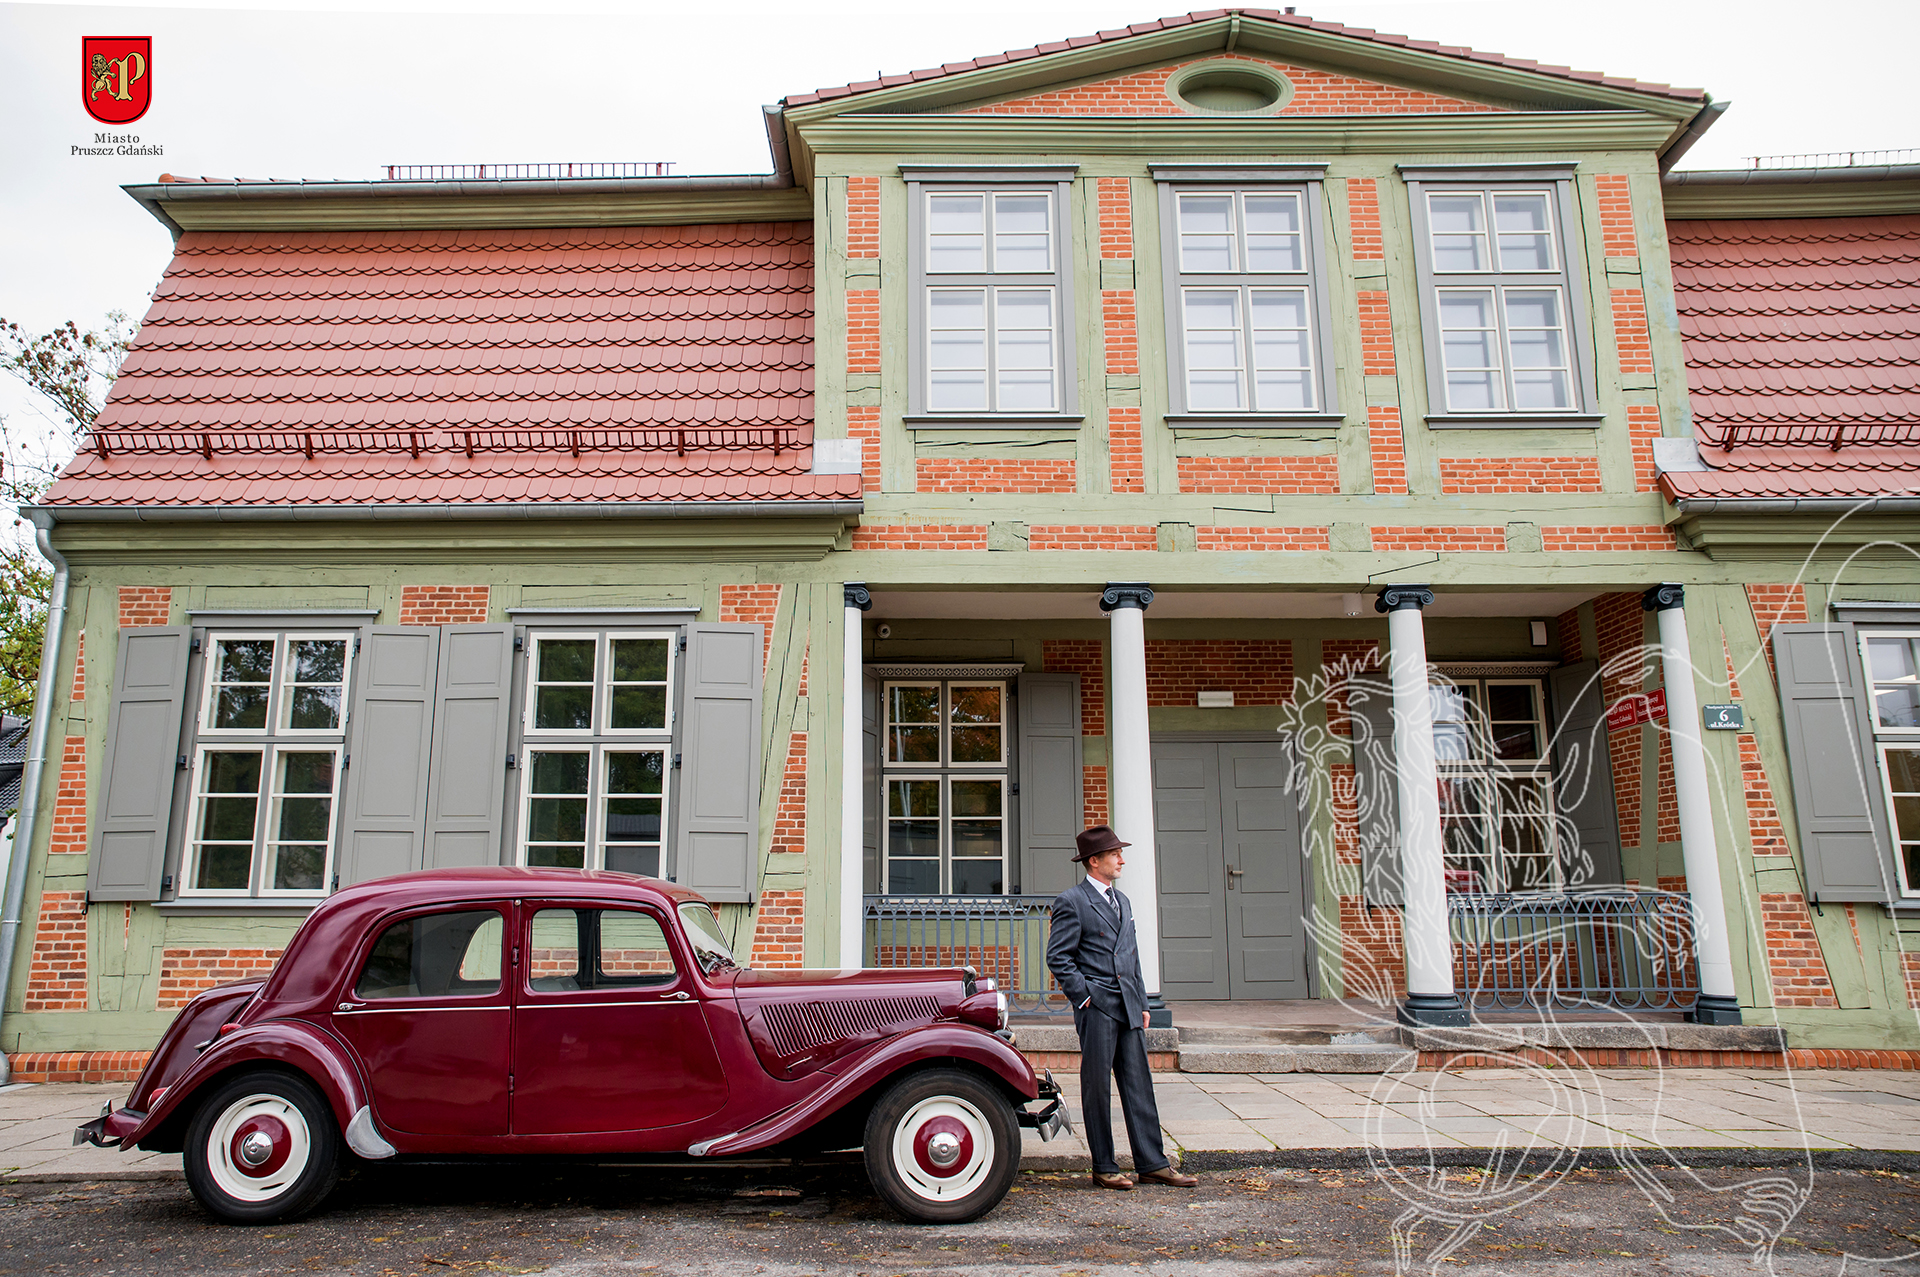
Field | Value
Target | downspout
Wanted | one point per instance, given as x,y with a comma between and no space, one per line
1692,133
21,851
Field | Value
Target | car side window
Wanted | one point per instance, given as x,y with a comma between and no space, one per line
597,949
435,955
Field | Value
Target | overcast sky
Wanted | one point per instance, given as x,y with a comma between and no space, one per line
338,91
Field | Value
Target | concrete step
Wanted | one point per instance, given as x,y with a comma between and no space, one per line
1370,1057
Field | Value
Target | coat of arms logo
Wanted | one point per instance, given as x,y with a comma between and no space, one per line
116,77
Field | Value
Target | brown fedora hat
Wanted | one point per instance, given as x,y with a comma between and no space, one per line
1096,840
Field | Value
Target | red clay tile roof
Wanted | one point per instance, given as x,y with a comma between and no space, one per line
1799,331
1265,15
621,365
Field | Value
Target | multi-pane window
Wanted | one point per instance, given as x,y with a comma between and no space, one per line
267,763
993,302
593,796
1892,663
1495,259
1496,802
946,787
1246,319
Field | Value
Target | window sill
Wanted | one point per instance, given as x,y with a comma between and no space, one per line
218,906
994,419
1226,421
1513,420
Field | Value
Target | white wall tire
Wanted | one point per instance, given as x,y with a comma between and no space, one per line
262,1147
942,1146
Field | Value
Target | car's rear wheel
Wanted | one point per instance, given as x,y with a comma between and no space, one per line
263,1147
942,1146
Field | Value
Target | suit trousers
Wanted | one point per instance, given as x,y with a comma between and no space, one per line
1111,1050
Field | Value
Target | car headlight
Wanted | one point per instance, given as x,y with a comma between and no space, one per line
1000,1000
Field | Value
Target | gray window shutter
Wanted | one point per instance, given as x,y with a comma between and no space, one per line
1376,789
389,736
870,784
1051,807
1837,789
1583,776
719,777
143,751
467,789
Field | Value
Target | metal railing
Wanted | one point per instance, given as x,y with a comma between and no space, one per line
524,172
1835,159
679,440
1832,435
1604,946
1000,936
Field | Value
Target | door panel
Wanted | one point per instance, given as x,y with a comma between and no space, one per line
1186,801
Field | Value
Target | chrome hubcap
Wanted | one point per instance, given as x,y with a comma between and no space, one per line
256,1148
943,1149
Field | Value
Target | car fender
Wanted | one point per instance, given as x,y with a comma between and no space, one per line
293,1044
854,1077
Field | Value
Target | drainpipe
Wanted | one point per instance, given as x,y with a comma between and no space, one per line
21,851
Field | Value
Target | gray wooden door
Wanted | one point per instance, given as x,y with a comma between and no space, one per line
1231,909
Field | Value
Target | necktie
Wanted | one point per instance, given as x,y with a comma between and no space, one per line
1113,903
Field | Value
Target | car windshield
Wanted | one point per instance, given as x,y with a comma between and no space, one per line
703,933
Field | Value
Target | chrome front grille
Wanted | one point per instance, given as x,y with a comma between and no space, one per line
794,1027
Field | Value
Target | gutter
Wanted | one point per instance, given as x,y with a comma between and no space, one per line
413,513
1798,505
21,850
1695,130
1793,176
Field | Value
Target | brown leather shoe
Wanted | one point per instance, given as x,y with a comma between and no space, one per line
1167,1175
1118,1183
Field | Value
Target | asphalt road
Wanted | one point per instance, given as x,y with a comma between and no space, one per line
434,1221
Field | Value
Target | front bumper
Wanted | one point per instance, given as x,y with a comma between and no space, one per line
1051,1117
112,1126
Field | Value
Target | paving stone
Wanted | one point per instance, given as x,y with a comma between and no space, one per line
1236,1058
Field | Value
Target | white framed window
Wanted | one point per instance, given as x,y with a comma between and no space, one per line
605,683
263,820
1500,295
946,723
946,777
1496,796
267,684
595,806
1891,659
1247,322
991,294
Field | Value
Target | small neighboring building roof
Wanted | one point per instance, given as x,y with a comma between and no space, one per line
615,365
13,759
1802,339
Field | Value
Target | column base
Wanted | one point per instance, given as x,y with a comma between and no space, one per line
1158,1016
1715,1009
1434,1011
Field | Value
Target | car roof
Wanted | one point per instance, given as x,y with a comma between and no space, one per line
486,882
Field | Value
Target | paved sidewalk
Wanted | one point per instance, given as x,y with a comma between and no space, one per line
1249,1114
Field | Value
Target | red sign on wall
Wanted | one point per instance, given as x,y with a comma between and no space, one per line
116,77
1631,711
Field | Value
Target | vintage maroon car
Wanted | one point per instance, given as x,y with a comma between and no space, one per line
557,1011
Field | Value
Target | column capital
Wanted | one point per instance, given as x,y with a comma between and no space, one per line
1393,598
854,594
1667,594
1119,594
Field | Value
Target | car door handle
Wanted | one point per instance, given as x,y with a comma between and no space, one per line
681,996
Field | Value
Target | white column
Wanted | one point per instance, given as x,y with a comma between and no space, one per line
853,767
1130,768
1423,927
1719,1003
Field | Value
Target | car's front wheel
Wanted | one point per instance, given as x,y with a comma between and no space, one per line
263,1147
942,1146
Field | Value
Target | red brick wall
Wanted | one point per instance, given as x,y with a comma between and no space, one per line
1284,475
1666,827
1733,677
1389,451
1613,537
1363,219
1620,623
1643,427
145,605
1125,451
186,973
1087,658
778,930
68,833
443,604
1340,661
1314,93
863,330
1092,536
863,217
994,474
1794,960
1093,795
1123,330
1616,214
79,691
1116,218
1519,474
1763,818
1262,538
1910,968
57,972
754,604
1344,799
1630,330
790,819
921,536
1776,605
864,424
1567,626
1374,960
1441,537
1376,332
1256,671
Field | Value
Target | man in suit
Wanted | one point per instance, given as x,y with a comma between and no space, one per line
1094,954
